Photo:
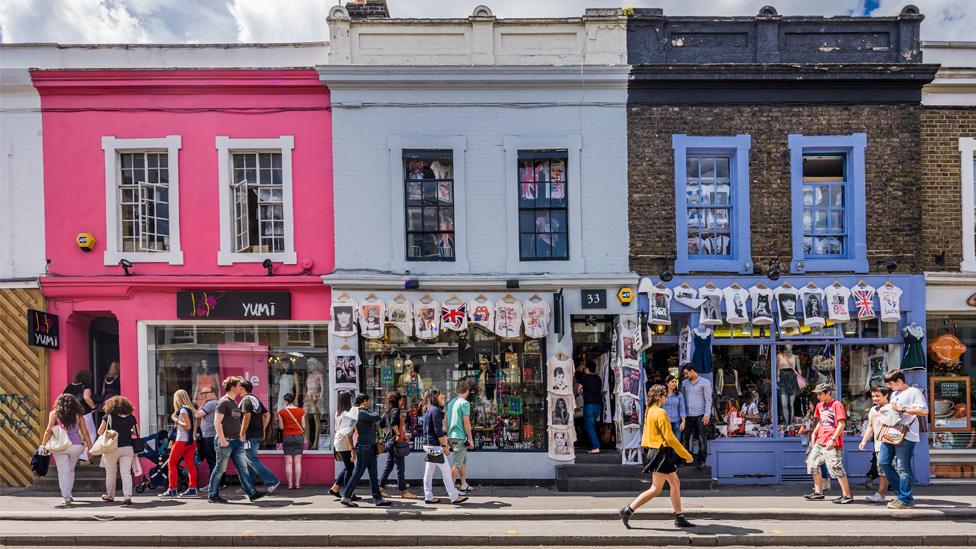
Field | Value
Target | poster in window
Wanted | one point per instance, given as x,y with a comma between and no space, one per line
415,191
444,192
561,411
951,401
346,370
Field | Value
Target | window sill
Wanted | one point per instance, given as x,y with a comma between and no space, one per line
113,257
856,265
230,258
685,266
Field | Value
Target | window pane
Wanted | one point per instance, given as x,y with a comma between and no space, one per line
542,202
446,216
829,167
415,245
558,220
722,168
837,220
707,168
560,245
692,168
428,183
837,196
430,219
527,245
526,221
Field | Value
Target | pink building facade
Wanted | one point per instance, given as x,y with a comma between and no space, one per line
208,197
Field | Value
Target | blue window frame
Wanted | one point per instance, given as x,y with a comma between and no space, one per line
711,185
828,203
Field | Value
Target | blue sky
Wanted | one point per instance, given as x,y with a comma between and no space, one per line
209,21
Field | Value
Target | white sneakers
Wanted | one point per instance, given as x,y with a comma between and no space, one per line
876,498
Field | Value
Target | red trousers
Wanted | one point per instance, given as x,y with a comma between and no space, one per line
182,451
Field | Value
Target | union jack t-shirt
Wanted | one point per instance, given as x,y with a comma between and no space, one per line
864,301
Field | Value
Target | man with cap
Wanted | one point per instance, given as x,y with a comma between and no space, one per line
828,444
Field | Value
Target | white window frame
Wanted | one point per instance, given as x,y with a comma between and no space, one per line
573,145
113,147
226,147
967,155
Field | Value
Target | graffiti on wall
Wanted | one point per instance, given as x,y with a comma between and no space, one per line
17,414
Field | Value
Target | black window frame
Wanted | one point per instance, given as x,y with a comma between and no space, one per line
435,205
542,202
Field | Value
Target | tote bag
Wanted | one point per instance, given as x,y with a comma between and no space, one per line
59,441
107,442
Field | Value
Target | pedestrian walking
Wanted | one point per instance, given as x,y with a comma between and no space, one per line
208,433
228,444
119,418
436,449
81,389
665,450
291,421
67,414
900,437
395,438
827,445
697,391
590,387
674,405
879,395
255,418
459,436
366,423
184,448
346,417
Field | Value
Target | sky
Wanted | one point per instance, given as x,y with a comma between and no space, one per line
222,21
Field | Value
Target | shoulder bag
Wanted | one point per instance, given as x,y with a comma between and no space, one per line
59,441
895,434
402,447
107,442
138,445
432,455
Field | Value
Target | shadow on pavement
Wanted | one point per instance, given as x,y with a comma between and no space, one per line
709,529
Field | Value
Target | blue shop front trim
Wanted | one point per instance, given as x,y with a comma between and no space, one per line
775,453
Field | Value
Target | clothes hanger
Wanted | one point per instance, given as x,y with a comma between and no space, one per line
735,285
425,299
762,285
453,299
861,283
837,284
686,285
535,298
342,296
660,285
889,284
509,298
399,298
345,347
481,298
371,298
786,285
710,284
811,285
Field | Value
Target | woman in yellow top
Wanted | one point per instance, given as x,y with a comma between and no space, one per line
665,451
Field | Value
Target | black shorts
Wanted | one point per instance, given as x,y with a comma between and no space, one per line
664,462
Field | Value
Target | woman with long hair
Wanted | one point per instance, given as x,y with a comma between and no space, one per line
118,417
674,405
436,449
393,417
185,447
292,422
346,417
67,414
81,389
665,449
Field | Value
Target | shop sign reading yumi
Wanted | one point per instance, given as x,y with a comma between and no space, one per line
206,305
42,329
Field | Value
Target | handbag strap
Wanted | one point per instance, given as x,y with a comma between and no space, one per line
295,420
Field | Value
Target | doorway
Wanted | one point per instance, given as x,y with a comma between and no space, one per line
592,342
103,350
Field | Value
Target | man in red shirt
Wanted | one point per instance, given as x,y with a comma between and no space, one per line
828,445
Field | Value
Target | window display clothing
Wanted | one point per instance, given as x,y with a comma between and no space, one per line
684,346
508,318
371,319
427,319
286,384
535,316
762,305
735,305
837,306
688,296
787,300
859,380
561,443
400,315
813,313
711,309
702,356
727,383
560,375
889,297
454,316
787,384
482,312
659,300
914,357
344,318
863,295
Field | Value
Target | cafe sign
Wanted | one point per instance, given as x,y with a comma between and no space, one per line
42,329
207,305
950,406
947,348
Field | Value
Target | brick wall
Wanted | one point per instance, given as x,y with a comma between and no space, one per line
941,184
892,164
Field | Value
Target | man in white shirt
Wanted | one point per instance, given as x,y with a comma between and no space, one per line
896,461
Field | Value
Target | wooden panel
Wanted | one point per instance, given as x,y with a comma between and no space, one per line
23,387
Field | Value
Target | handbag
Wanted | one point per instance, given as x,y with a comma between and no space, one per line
801,381
895,434
107,442
401,447
40,463
434,458
59,441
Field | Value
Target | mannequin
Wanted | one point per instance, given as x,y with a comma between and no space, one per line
287,380
411,384
786,366
314,402
204,377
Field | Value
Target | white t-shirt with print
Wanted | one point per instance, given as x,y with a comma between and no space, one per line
890,299
863,295
427,319
711,309
762,305
482,313
811,299
687,296
659,301
910,398
400,315
535,315
735,305
372,316
348,308
838,307
784,295
508,318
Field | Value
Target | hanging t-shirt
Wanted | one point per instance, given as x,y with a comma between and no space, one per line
344,318
659,300
762,305
813,311
427,319
789,313
400,315
711,308
687,296
561,375
838,309
508,318
863,295
735,305
454,316
889,296
346,370
371,318
561,443
482,313
684,346
535,314
630,380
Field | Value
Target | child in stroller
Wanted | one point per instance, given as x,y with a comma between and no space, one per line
157,451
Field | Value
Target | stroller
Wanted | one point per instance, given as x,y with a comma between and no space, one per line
158,447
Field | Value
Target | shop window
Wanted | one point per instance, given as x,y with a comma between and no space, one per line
256,200
967,148
796,401
507,379
962,328
543,205
828,203
142,211
429,200
743,390
864,367
195,358
712,195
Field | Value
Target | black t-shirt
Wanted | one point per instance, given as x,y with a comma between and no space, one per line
392,420
110,388
124,427
77,390
231,423
255,429
592,388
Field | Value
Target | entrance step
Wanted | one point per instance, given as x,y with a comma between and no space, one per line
88,478
615,477
605,456
621,484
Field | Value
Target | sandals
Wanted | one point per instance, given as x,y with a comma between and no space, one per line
106,498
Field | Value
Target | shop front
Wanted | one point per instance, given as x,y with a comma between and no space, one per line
766,344
951,328
517,345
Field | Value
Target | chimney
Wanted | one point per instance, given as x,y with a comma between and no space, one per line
368,9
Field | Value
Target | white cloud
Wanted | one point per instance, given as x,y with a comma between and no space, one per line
66,21
944,19
280,21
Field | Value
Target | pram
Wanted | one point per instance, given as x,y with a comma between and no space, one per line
157,451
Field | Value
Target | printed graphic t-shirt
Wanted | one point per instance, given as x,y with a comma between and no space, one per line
864,301
762,306
837,306
231,422
735,305
829,415
812,301
889,297
711,309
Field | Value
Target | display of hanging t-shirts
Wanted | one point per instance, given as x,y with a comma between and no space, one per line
561,410
561,375
344,318
889,297
711,308
535,316
786,300
762,305
629,412
838,309
914,355
735,304
863,295
482,312
561,443
454,316
427,319
687,296
659,301
399,313
508,318
813,311
684,346
371,319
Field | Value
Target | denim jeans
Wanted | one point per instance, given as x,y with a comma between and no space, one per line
896,463
346,457
234,451
365,462
392,459
695,427
258,469
676,428
591,412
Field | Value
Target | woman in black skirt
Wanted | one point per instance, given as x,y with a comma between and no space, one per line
665,450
